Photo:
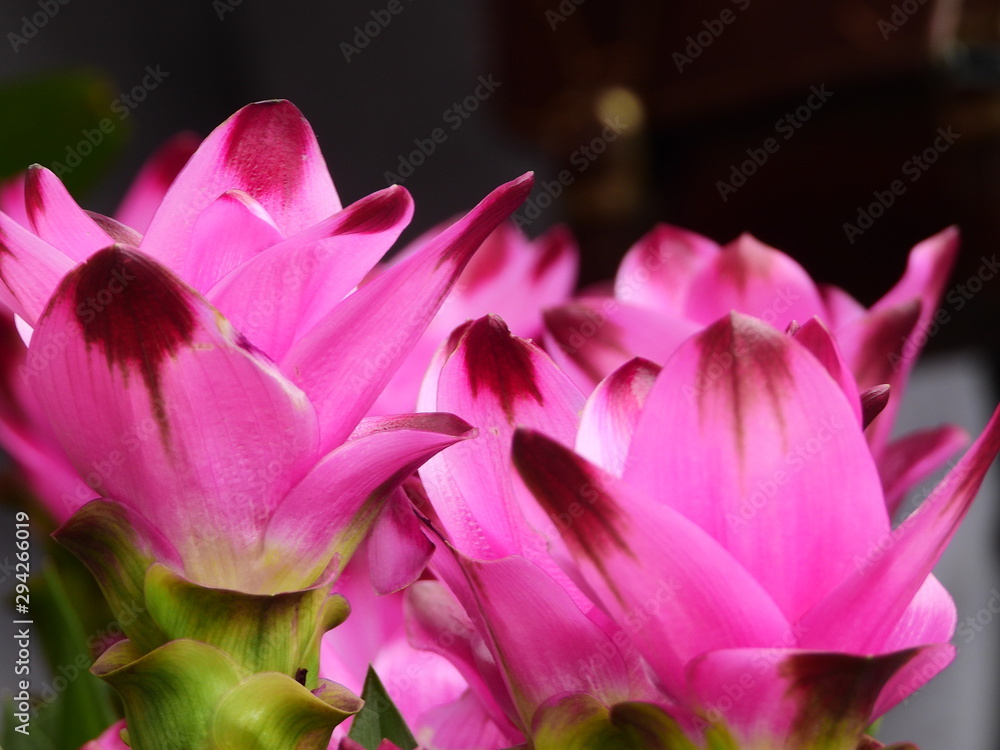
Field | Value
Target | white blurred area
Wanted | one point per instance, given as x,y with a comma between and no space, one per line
958,709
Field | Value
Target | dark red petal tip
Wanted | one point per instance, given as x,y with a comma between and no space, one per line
500,364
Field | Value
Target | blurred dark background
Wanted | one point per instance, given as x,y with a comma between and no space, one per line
629,112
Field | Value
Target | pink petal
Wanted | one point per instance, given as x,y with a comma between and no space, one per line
818,340
229,232
148,188
266,149
497,382
593,337
912,458
12,199
57,218
398,549
748,436
462,725
612,412
556,650
913,676
657,271
864,609
929,618
781,697
110,739
435,621
346,360
286,290
752,278
841,308
671,586
30,270
182,422
331,510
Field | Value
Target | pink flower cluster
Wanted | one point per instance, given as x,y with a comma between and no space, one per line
672,526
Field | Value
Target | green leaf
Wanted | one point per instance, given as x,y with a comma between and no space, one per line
272,711
172,693
262,632
63,121
379,719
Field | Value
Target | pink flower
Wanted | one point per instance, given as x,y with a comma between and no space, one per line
732,522
673,283
509,276
110,739
211,376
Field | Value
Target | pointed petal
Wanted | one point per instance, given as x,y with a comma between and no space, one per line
268,150
437,622
927,272
877,351
841,308
30,270
907,461
594,336
230,231
118,232
658,269
748,436
158,402
148,188
611,414
344,362
864,609
497,382
283,292
398,549
929,618
873,402
913,676
779,697
57,218
557,650
818,340
330,511
644,560
752,278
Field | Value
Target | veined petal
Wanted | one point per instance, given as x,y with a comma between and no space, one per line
929,618
556,650
57,218
330,511
752,278
609,419
675,590
268,150
461,725
914,457
287,289
779,697
182,422
437,622
748,436
497,382
914,675
230,231
657,271
346,360
148,188
30,269
866,607
594,336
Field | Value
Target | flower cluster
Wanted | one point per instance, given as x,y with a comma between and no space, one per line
298,461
